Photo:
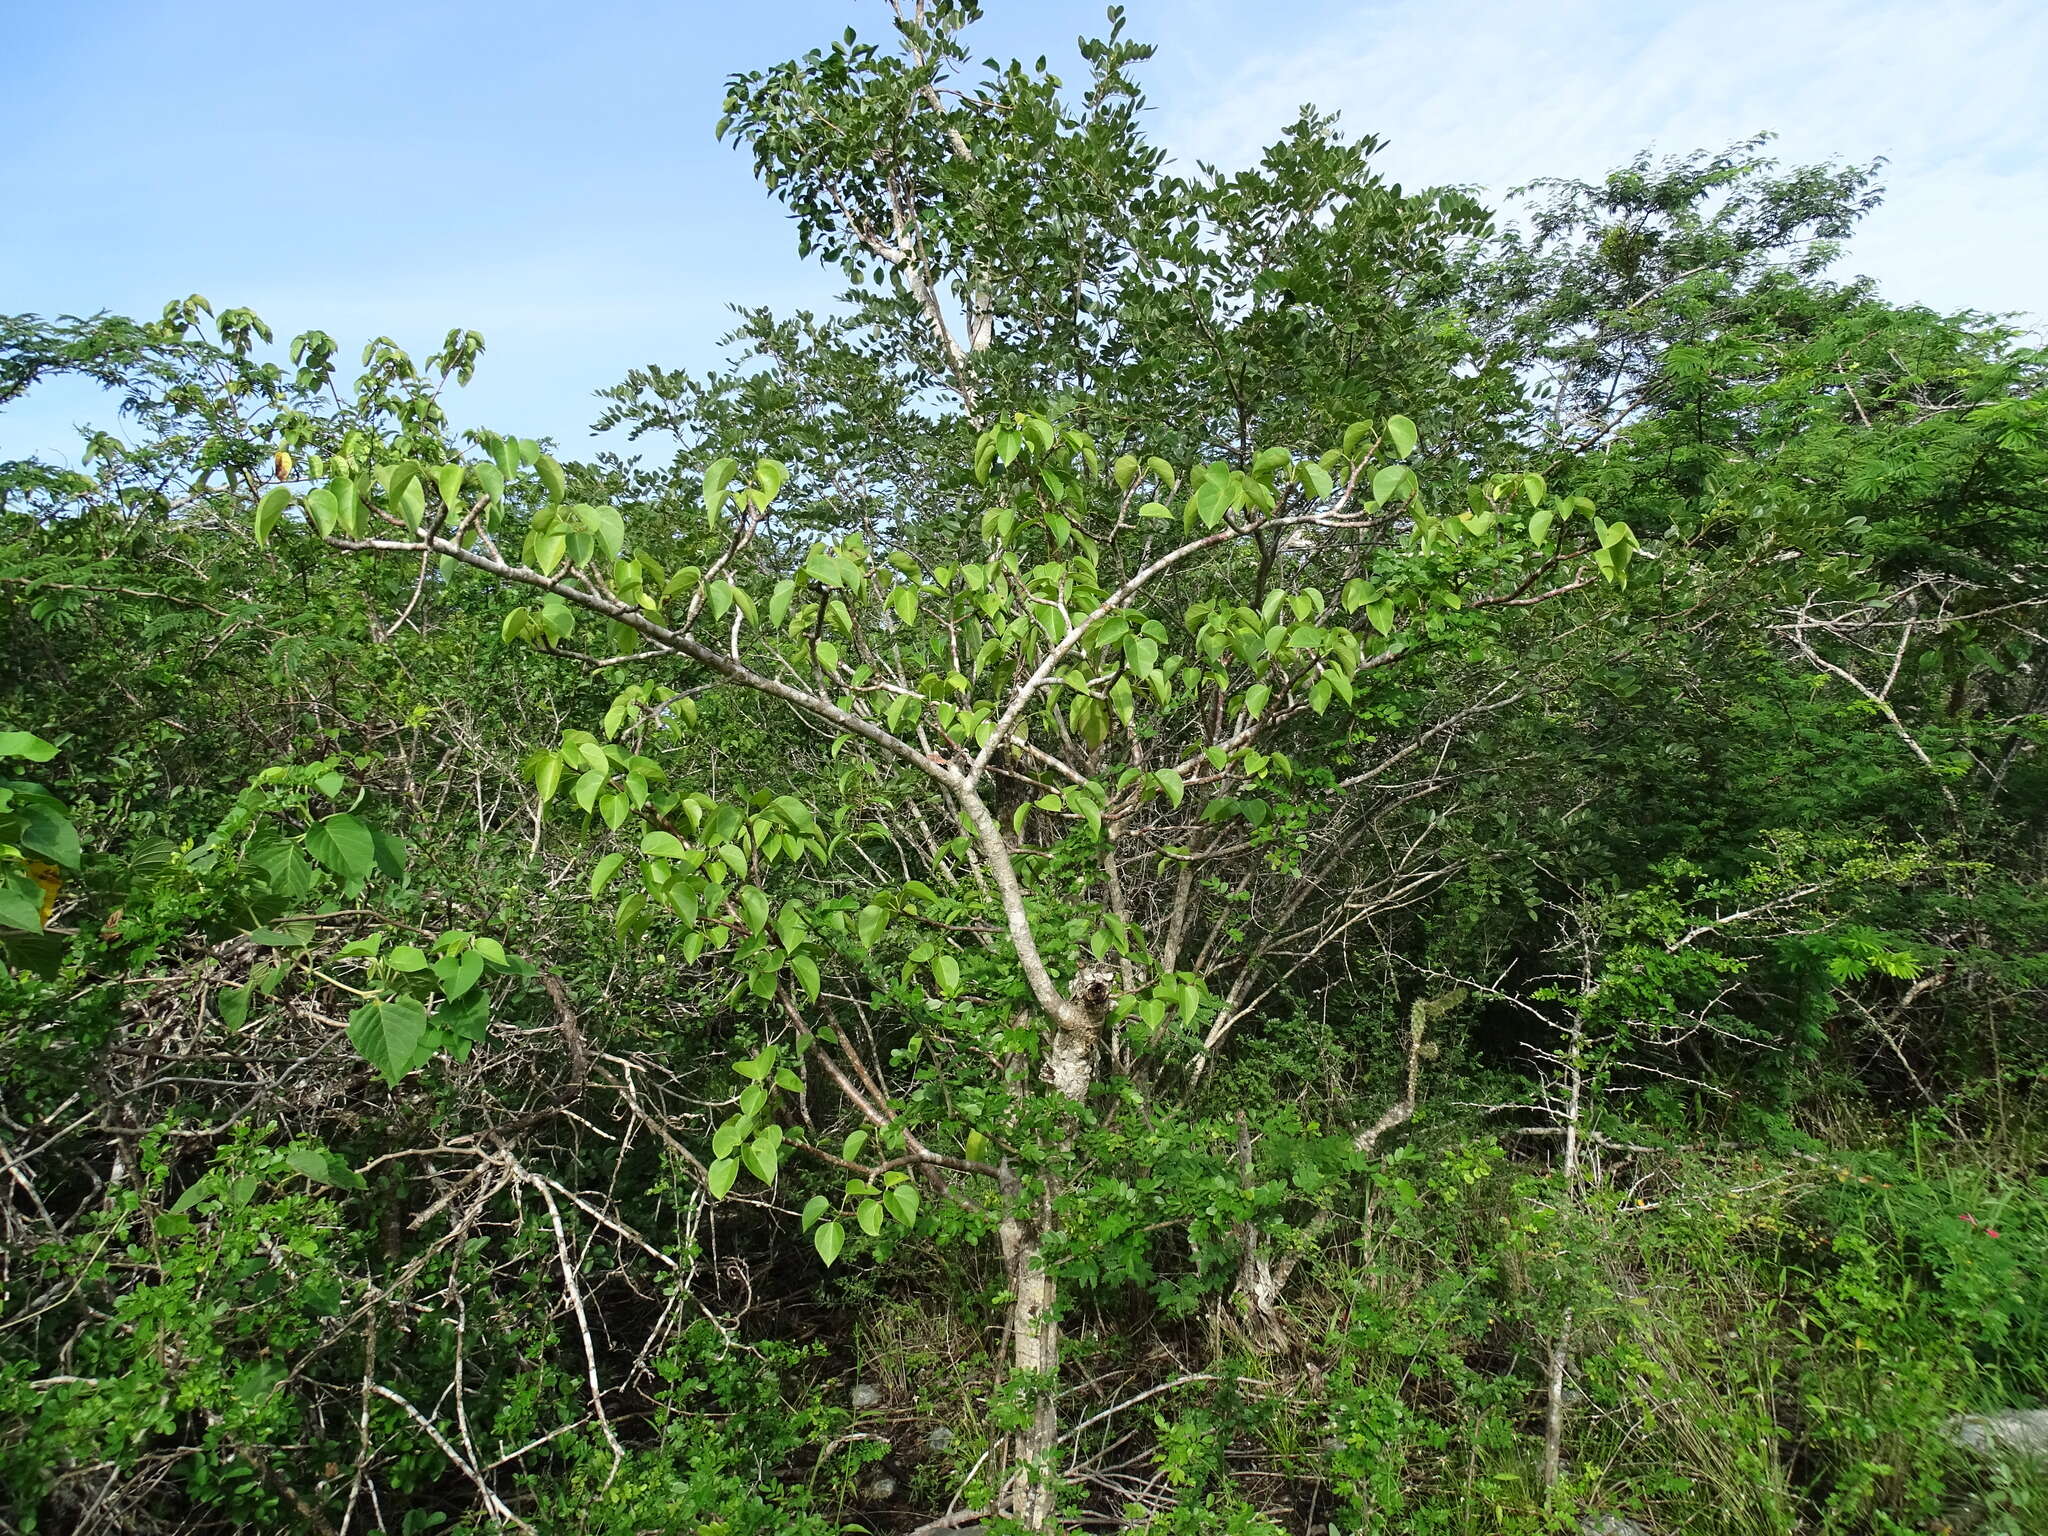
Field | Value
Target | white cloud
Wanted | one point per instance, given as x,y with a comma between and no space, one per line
1497,92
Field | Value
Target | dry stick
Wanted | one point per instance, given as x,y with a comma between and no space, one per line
497,1506
461,1398
582,1326
625,1086
958,1518
535,1444
1164,1386
1883,707
355,1487
1421,1013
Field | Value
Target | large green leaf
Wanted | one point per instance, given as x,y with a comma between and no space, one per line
284,868
26,744
830,1239
467,1017
719,1177
1393,483
1400,436
323,1167
458,973
388,1033
343,845
902,1203
21,903
760,1158
49,832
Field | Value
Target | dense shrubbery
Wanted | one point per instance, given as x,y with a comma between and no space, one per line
1240,855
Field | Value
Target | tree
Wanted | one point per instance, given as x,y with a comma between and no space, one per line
1103,773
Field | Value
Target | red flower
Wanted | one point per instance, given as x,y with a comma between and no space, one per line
1966,1216
1991,1231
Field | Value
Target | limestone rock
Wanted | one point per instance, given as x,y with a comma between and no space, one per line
2012,1432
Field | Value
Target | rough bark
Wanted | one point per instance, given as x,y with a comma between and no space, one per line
1031,1494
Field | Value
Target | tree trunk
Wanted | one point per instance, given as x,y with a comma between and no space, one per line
1031,1491
1256,1298
1031,1495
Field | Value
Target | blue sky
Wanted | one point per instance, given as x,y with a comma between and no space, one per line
545,173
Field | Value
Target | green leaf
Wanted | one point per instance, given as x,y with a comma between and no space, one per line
607,866
902,1203
662,845
348,505
232,1004
547,776
448,481
551,476
1393,482
716,478
869,1215
49,832
1381,613
754,907
467,1017
830,1240
1539,525
609,528
344,845
390,853
1171,786
388,1033
26,744
1400,437
293,936
412,504
814,1207
769,475
869,924
407,957
458,973
805,970
322,510
946,974
269,510
759,1157
323,1167
720,1176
